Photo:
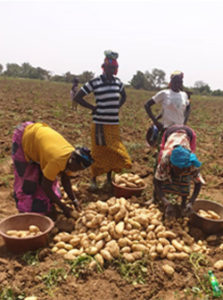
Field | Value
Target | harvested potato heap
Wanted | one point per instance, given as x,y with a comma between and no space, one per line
129,180
33,231
210,214
118,227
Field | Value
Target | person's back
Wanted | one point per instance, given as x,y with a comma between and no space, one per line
44,145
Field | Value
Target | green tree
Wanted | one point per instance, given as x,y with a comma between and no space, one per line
217,92
13,70
156,78
1,69
139,81
201,87
85,76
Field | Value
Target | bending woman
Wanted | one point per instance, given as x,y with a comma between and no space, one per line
108,152
177,167
39,155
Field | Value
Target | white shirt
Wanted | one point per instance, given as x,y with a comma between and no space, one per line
173,106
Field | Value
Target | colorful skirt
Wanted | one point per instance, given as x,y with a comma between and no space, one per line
107,150
180,185
28,193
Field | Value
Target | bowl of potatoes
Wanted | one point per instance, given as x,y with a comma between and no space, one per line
25,232
127,185
208,216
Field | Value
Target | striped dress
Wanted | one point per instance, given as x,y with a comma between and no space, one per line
107,150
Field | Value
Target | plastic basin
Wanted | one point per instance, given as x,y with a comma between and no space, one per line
127,192
22,222
208,226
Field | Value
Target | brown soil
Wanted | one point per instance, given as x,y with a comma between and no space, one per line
23,100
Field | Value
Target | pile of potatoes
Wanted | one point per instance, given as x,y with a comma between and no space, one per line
117,227
210,214
129,180
32,231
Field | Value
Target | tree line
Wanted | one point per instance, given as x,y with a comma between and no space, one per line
151,81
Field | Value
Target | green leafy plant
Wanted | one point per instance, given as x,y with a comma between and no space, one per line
53,277
8,294
81,263
31,257
135,273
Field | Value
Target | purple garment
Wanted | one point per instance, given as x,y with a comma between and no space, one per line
28,192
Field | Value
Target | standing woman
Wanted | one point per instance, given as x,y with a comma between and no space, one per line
174,101
73,92
107,150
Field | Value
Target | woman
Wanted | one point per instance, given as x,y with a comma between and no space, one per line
73,92
108,152
177,167
175,104
39,155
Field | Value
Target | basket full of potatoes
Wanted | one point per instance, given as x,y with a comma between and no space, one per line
127,185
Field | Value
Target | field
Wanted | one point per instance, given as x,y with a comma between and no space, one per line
45,274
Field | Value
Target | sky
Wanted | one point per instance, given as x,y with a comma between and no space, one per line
62,36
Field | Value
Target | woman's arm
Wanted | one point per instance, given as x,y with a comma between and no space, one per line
148,109
47,187
123,97
187,113
79,98
65,180
159,193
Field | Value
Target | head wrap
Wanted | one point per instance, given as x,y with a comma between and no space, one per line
110,59
177,73
84,156
183,158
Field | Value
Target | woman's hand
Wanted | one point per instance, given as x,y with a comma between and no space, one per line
66,210
159,126
188,210
77,205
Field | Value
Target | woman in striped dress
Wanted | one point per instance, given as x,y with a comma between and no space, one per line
107,150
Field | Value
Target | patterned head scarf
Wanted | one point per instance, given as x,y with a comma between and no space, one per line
183,158
84,156
111,59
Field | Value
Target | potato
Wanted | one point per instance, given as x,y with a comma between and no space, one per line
34,228
99,258
219,265
54,249
165,251
106,254
114,209
168,269
75,252
102,207
125,249
75,241
61,251
137,254
12,233
92,250
113,247
139,247
214,215
68,247
181,255
60,245
178,246
100,244
120,215
129,257
69,256
119,228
